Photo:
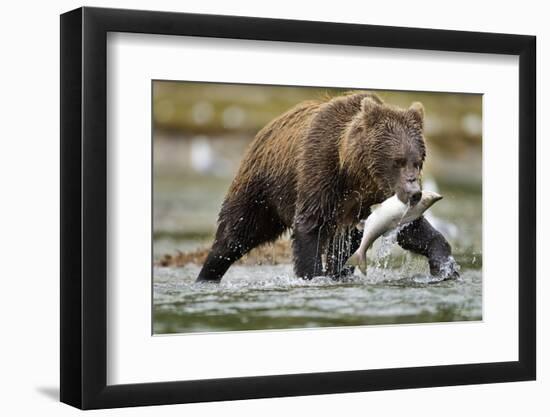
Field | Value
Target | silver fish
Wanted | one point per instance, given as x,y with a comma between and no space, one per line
390,214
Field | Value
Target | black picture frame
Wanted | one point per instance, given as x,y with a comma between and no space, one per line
84,207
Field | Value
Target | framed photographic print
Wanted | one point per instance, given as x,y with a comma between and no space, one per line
258,208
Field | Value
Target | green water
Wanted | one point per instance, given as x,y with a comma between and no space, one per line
397,289
269,297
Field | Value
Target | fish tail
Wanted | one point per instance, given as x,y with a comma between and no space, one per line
353,260
363,266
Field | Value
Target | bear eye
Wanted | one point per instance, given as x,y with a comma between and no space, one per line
400,162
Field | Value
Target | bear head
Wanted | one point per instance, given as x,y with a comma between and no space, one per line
385,145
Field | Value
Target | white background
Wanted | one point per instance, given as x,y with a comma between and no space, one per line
30,206
134,356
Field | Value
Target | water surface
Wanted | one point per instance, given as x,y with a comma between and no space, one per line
270,297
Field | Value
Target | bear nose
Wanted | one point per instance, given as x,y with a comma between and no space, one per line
415,198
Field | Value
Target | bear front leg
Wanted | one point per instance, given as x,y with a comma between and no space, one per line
219,259
307,247
421,237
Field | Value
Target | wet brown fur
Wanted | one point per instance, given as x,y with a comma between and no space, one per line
316,169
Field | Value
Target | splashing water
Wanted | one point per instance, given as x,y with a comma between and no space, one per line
382,250
449,268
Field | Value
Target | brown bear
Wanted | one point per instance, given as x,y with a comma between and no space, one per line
317,169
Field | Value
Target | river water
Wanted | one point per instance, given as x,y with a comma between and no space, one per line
270,297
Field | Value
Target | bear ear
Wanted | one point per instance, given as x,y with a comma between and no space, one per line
370,108
417,112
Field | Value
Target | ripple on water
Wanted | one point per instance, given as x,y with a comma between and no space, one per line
271,297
